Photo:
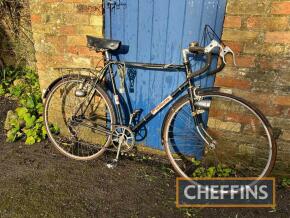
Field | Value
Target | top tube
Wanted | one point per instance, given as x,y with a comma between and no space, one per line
177,67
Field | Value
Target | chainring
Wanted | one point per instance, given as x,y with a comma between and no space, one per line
125,136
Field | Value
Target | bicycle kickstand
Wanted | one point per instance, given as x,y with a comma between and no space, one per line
112,164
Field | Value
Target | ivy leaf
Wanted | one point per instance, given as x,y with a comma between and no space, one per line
15,90
11,135
30,102
39,108
30,140
40,120
21,111
44,132
29,120
23,84
2,90
211,172
55,129
15,124
29,132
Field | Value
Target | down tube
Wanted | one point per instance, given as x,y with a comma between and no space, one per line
160,106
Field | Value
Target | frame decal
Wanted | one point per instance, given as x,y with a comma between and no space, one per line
161,105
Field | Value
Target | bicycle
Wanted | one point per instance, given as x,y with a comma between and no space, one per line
206,130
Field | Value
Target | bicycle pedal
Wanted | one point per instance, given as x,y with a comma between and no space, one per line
134,114
113,164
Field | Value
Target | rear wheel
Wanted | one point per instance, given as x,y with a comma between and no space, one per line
227,138
79,118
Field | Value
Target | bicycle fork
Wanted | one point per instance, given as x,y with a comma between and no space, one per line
198,107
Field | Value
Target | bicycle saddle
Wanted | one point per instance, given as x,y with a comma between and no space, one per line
100,43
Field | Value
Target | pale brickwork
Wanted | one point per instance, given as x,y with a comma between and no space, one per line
59,31
259,31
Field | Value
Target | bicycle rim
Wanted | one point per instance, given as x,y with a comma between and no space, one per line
244,146
79,127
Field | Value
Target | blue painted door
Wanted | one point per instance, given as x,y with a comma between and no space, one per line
156,31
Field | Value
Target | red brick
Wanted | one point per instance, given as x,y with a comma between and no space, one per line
277,37
242,118
281,100
261,101
82,51
251,22
68,30
35,18
98,62
90,9
268,23
51,1
40,57
232,83
257,98
78,40
235,46
233,22
59,60
275,64
269,110
41,66
246,61
58,42
239,35
76,1
281,7
242,61
53,60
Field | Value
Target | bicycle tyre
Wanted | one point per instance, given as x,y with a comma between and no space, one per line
56,112
174,156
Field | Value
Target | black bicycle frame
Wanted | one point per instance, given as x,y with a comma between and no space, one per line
167,67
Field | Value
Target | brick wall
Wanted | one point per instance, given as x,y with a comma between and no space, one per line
59,29
259,32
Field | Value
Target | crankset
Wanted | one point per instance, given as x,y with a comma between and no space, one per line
124,137
123,140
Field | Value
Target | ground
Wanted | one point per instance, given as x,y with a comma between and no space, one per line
36,181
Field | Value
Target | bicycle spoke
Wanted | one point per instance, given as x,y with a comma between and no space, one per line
86,120
238,141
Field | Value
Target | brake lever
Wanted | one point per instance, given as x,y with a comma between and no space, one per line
223,50
224,53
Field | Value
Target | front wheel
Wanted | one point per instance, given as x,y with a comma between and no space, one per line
224,137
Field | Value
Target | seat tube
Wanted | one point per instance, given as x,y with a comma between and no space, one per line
116,96
107,55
